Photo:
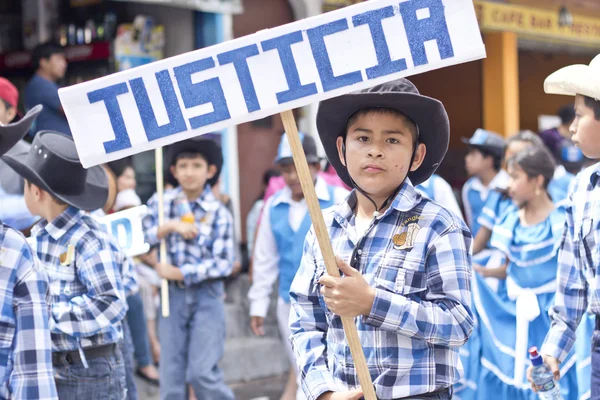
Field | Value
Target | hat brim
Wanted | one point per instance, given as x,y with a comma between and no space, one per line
573,80
428,113
93,197
310,159
11,134
207,147
490,149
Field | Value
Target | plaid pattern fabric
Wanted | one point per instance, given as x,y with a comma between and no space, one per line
578,262
25,346
88,298
416,255
211,254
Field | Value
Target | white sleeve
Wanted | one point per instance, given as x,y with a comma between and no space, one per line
265,266
466,204
443,193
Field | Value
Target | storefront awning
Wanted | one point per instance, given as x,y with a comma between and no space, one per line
537,24
213,6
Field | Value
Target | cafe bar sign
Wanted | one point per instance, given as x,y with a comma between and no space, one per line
536,23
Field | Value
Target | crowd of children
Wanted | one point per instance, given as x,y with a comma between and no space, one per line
446,306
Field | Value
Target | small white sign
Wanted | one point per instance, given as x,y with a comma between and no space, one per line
126,227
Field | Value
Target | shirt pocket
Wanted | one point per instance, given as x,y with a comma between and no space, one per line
402,276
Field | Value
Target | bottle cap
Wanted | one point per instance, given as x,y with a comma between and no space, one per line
535,357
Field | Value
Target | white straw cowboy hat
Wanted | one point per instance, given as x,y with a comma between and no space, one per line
576,79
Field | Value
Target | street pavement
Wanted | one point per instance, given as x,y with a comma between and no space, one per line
263,389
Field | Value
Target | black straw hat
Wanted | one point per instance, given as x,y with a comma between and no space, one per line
11,134
427,113
52,164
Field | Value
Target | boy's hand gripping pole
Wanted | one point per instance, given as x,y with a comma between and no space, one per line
316,216
162,257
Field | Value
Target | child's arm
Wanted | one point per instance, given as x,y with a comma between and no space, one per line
308,325
32,375
154,233
266,266
102,305
571,300
444,317
217,254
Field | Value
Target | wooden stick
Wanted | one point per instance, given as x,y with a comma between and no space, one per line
316,216
160,188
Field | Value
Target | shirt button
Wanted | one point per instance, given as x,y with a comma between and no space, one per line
359,252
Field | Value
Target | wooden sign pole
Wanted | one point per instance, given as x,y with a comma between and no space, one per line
160,188
322,234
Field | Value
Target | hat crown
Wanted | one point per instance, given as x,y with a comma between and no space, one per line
54,158
595,62
284,150
398,86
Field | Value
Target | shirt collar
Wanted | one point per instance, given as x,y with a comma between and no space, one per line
61,224
595,175
207,200
559,172
406,199
285,195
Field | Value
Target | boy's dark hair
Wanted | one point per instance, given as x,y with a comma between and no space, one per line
497,160
188,154
594,105
566,114
385,111
534,162
56,200
44,51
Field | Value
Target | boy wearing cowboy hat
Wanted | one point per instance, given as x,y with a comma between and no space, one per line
284,223
25,345
200,247
578,276
83,266
405,260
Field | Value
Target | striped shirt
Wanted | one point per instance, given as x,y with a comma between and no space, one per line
210,255
578,262
416,255
88,299
25,345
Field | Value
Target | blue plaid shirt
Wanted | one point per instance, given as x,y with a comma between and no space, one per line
25,345
416,255
210,255
88,299
578,262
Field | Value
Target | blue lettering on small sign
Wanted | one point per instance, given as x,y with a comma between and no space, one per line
126,224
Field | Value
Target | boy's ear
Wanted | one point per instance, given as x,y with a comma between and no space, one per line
340,148
419,156
212,170
172,169
11,113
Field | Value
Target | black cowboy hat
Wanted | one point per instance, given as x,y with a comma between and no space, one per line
208,148
427,113
52,164
11,134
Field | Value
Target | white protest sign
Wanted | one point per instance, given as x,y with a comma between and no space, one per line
266,73
126,227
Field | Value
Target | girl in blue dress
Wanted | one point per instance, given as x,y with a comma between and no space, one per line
529,236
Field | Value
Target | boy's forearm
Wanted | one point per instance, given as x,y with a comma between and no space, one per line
165,229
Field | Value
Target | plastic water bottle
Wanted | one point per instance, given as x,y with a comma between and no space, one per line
542,377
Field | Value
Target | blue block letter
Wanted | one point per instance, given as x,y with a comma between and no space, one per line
238,58
208,91
319,49
418,31
385,65
126,224
176,122
296,89
109,96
